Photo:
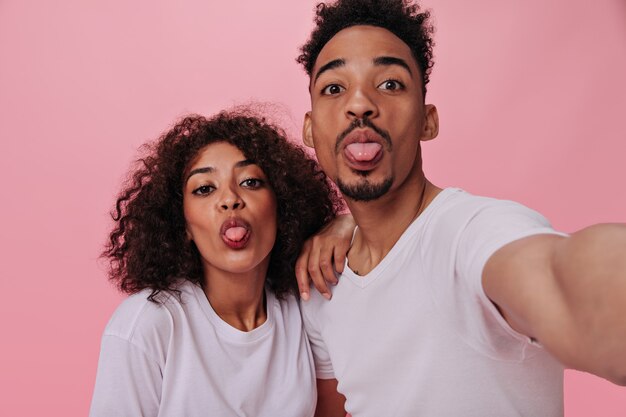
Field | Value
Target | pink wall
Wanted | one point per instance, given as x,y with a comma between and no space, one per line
531,95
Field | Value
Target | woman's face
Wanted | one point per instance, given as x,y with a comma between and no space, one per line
230,210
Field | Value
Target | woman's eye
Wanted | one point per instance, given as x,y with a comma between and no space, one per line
203,190
332,89
252,183
391,85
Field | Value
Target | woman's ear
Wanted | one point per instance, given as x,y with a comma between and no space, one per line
307,134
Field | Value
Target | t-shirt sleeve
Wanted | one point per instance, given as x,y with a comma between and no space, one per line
469,236
321,357
128,382
492,228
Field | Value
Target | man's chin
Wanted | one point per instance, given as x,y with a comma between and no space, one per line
365,190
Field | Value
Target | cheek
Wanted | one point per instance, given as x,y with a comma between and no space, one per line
324,135
272,218
271,214
405,124
187,215
326,117
198,221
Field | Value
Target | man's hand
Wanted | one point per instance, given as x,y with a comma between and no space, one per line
324,253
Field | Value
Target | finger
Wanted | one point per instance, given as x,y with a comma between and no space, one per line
302,274
327,266
316,275
339,254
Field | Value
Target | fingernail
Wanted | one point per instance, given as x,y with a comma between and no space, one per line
326,295
304,296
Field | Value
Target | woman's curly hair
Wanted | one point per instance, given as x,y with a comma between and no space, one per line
148,246
401,17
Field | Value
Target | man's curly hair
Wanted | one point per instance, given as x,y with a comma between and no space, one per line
148,246
403,18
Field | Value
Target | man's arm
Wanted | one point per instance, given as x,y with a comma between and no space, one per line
323,254
330,403
569,293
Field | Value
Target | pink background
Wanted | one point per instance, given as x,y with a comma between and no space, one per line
531,96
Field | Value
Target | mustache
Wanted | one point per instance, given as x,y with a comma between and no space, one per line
359,124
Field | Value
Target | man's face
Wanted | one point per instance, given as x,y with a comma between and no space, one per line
367,113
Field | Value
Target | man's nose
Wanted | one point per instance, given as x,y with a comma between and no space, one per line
361,104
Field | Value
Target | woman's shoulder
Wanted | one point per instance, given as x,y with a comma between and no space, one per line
138,317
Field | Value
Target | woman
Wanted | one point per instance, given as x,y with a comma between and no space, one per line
206,236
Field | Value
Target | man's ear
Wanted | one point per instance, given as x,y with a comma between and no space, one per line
307,134
431,123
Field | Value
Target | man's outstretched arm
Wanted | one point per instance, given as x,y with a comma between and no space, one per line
569,293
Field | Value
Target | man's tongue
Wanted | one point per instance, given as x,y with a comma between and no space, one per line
235,233
363,152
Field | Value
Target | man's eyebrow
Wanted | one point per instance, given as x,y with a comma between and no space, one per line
204,170
335,63
392,60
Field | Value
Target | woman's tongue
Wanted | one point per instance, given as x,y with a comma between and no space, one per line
363,152
235,233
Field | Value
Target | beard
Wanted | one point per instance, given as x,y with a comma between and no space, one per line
364,190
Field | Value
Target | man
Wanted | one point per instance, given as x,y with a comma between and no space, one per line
450,304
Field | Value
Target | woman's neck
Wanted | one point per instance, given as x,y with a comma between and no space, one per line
238,298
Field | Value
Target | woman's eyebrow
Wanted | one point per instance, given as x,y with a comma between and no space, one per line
202,170
209,169
244,163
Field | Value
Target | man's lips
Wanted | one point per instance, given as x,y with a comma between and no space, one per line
363,149
235,233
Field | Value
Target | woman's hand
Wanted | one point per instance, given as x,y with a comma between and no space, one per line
324,253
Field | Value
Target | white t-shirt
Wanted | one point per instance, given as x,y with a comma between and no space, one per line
182,360
417,336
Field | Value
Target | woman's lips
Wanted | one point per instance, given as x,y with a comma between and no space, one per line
235,233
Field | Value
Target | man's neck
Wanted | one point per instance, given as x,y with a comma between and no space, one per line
382,222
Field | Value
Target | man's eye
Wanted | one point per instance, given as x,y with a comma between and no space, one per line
252,183
332,89
391,85
203,190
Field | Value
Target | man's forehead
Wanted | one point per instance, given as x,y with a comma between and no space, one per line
363,41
